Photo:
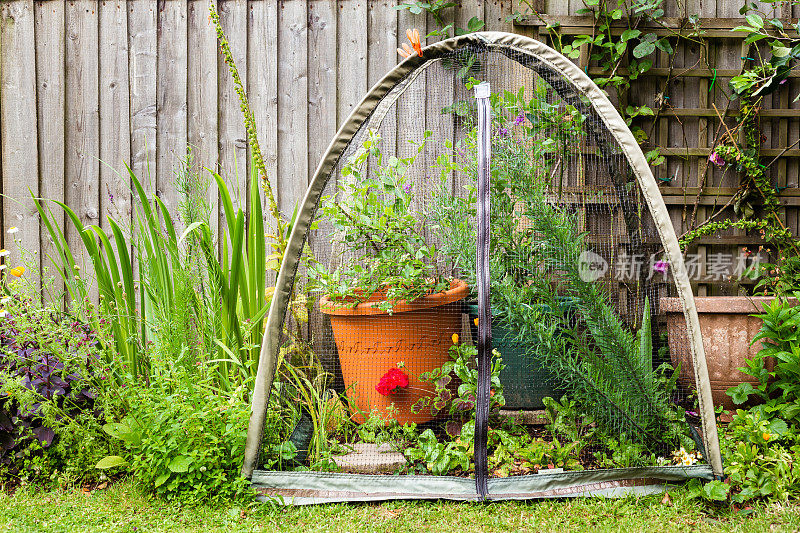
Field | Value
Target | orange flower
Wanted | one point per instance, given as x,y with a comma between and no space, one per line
476,321
455,338
413,36
406,51
416,44
17,271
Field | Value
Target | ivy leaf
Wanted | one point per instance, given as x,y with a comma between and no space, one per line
475,24
644,65
654,157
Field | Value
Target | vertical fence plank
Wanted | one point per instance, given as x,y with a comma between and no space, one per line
171,123
202,97
262,91
115,190
407,128
263,85
383,56
262,78
232,133
82,126
322,34
497,11
352,58
292,103
382,40
49,32
20,138
142,79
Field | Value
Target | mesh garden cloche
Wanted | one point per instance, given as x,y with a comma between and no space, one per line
470,304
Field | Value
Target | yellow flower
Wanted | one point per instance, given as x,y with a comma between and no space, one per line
17,271
455,338
4,252
476,322
766,436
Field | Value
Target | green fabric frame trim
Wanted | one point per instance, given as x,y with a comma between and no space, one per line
308,488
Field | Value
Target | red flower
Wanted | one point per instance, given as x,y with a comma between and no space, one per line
391,381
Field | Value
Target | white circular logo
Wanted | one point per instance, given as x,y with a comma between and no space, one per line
591,266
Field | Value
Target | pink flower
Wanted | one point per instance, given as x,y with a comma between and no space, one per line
716,159
391,381
661,266
520,119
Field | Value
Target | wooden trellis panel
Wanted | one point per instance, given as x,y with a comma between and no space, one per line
689,92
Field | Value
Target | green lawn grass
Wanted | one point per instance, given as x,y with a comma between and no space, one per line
125,507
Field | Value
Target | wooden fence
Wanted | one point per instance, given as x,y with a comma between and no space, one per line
89,85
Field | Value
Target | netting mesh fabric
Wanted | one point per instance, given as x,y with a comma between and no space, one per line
376,364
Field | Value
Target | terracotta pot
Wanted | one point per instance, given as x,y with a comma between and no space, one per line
727,329
370,342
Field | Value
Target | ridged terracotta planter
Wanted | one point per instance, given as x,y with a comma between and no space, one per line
370,342
727,329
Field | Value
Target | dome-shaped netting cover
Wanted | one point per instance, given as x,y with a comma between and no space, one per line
374,386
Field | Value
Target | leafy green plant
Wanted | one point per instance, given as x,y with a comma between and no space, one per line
623,452
54,391
442,458
567,422
761,445
372,215
185,441
780,342
714,491
461,371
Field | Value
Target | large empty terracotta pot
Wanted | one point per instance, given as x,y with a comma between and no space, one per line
370,342
727,329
